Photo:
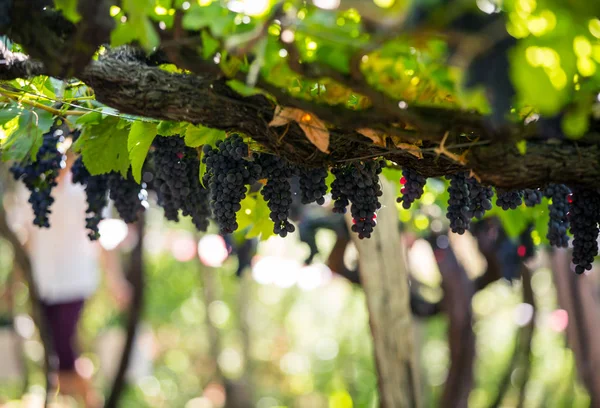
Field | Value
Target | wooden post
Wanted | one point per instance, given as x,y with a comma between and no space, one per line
384,277
577,295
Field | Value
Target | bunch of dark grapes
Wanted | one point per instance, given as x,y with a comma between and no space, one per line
197,204
312,185
558,212
365,197
532,197
358,184
127,195
171,181
584,213
278,191
341,183
227,173
508,199
96,191
459,203
480,198
412,187
40,176
176,181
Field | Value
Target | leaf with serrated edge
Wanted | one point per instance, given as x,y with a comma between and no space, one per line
199,135
104,147
26,138
139,141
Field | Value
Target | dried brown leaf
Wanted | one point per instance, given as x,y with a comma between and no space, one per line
313,127
411,149
376,136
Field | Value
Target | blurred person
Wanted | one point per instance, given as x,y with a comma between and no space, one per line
65,266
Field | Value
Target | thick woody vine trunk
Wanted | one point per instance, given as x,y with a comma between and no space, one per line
578,295
384,277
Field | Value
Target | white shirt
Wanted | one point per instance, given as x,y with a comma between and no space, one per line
64,260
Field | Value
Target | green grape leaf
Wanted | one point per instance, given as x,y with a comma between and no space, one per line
122,34
202,170
199,135
26,138
103,147
522,147
336,57
8,114
167,128
209,45
69,9
213,16
90,118
139,141
576,123
254,217
137,27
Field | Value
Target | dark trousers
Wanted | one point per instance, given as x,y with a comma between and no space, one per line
62,319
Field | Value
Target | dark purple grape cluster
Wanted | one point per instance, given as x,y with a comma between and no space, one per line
584,213
365,197
177,183
227,174
532,197
412,187
358,184
96,191
508,199
341,183
480,198
558,223
278,191
312,185
40,176
459,203
127,195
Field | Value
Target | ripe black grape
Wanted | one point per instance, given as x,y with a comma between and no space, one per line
413,184
227,173
459,203
480,198
584,213
532,197
558,224
96,190
508,199
278,191
312,185
40,176
127,196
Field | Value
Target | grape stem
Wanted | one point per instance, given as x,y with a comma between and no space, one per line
34,104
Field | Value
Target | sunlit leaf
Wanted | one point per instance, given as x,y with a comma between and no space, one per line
139,141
